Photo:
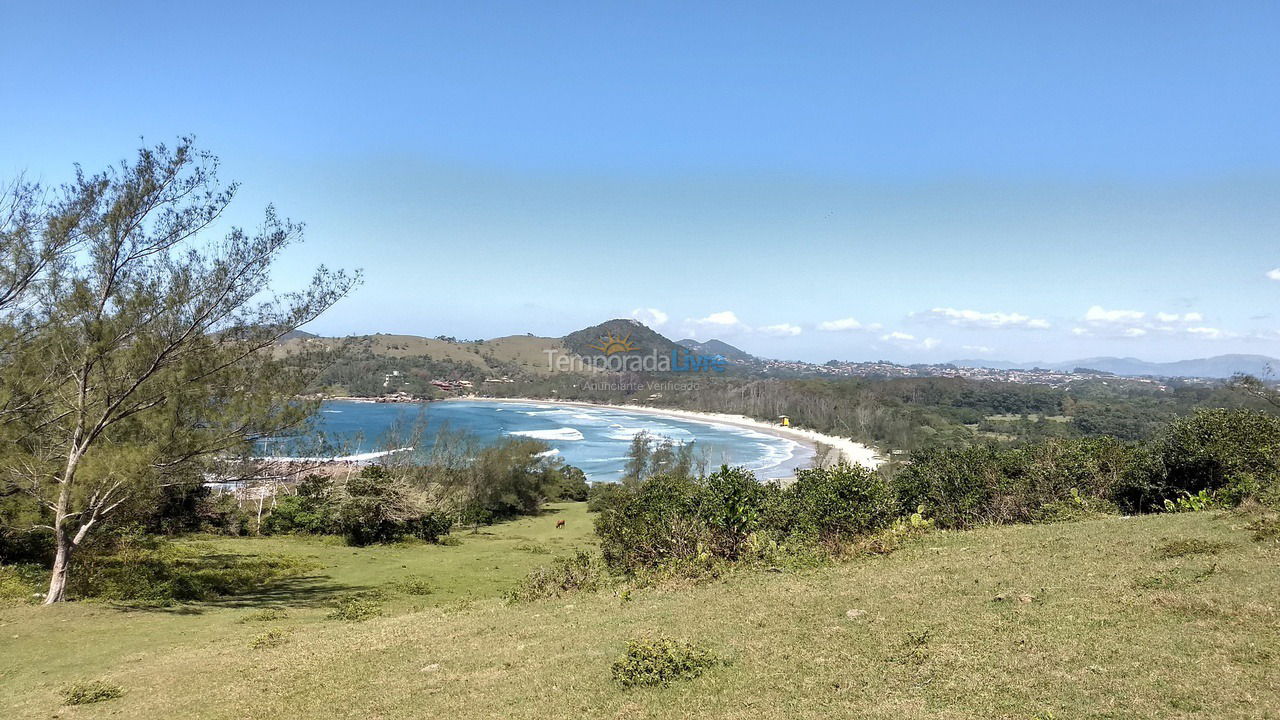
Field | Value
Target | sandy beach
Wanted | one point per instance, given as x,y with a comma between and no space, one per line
852,452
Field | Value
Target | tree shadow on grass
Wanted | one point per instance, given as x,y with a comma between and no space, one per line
190,584
310,591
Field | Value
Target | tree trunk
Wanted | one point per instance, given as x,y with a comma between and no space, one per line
61,562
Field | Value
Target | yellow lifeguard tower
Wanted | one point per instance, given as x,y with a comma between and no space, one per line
784,421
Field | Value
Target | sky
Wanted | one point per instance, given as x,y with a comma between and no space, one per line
909,181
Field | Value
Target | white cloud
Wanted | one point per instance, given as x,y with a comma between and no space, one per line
726,318
1274,274
726,323
1136,324
653,317
845,325
907,340
975,318
1175,317
979,349
1097,314
1208,332
780,330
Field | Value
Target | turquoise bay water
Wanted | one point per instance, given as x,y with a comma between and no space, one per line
591,438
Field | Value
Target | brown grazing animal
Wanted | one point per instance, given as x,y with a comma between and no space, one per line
559,524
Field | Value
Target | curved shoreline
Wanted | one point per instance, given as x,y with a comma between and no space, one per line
852,452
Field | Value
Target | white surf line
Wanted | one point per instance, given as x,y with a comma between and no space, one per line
852,452
358,457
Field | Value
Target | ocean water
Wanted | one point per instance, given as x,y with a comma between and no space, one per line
593,439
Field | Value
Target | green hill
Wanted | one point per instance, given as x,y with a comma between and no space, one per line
587,341
717,347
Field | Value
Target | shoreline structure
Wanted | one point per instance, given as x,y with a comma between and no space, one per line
852,452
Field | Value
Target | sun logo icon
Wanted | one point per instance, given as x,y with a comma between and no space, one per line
610,344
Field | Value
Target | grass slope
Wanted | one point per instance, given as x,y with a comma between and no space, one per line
1110,618
525,352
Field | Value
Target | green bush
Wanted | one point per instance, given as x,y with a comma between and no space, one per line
570,485
652,522
1186,502
22,583
835,504
955,485
355,609
380,508
582,572
985,484
269,639
1079,507
415,586
1234,454
691,525
734,505
312,510
660,662
90,691
600,494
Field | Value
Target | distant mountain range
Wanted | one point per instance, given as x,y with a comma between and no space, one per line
1219,366
526,354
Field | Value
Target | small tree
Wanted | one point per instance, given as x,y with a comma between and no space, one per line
145,350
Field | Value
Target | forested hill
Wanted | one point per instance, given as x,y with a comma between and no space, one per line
588,342
717,347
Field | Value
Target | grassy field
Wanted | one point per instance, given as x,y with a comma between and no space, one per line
524,351
1161,616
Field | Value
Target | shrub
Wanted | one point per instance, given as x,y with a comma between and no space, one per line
964,487
312,510
415,586
660,662
1234,454
1078,507
569,485
355,609
269,639
582,572
1187,502
22,583
955,485
600,494
91,691
733,504
514,477
379,508
836,504
651,522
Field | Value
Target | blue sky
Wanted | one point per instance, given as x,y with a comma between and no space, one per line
911,181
